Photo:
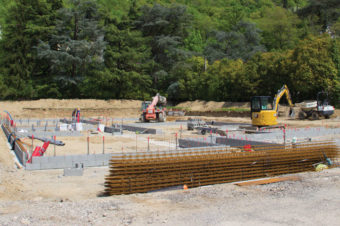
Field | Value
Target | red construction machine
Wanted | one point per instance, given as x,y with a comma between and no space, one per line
39,151
154,110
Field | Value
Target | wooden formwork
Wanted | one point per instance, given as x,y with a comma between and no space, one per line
143,172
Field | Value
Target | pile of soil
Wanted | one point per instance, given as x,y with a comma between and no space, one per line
200,105
49,108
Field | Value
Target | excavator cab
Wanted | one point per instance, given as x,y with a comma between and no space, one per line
259,103
262,112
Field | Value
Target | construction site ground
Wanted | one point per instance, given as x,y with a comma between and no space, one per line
47,197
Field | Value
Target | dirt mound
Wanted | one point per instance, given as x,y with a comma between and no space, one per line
71,103
53,107
200,105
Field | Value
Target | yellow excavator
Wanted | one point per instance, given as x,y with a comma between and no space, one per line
264,111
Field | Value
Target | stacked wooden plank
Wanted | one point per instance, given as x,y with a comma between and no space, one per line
143,172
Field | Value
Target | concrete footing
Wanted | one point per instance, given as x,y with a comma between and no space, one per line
68,161
220,141
78,170
141,129
191,143
241,143
111,129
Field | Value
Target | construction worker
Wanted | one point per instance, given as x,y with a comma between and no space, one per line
76,115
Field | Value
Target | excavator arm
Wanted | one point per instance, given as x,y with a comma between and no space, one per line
284,90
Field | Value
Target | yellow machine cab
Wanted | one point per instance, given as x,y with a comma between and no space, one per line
264,109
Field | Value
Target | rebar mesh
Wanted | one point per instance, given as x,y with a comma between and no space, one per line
143,172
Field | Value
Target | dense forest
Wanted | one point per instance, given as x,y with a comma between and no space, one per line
223,50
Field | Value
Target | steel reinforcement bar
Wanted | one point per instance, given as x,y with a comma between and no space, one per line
145,172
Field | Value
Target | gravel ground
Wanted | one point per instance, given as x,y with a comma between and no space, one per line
314,200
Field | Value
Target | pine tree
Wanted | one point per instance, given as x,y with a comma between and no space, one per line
242,42
167,28
76,47
26,22
127,61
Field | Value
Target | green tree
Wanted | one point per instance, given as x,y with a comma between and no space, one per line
240,43
291,4
268,72
335,29
335,51
195,42
26,22
128,62
228,81
76,47
188,81
279,29
311,68
167,29
323,13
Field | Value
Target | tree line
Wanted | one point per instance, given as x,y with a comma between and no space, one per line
186,50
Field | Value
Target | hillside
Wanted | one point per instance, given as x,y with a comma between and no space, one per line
185,50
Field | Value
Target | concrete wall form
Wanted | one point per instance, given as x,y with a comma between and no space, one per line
217,123
68,161
191,143
49,134
112,130
241,143
82,120
21,155
221,141
125,127
141,129
95,160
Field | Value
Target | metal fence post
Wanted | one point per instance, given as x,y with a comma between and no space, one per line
88,144
54,137
176,141
103,144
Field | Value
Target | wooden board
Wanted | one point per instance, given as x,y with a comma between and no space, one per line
268,181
